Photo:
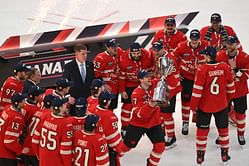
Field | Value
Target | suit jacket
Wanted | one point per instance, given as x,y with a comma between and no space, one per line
27,85
72,73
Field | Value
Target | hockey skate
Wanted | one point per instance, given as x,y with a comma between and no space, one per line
224,156
185,126
241,140
170,143
200,157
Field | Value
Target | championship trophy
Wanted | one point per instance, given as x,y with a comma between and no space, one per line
161,93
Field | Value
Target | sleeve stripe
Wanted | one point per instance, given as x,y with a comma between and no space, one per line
198,87
112,135
12,134
7,141
35,141
115,143
230,85
66,152
196,95
6,100
106,164
231,91
37,133
66,143
102,157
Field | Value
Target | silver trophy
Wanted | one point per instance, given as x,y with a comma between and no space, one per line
161,93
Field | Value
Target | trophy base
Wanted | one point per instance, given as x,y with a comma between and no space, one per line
163,103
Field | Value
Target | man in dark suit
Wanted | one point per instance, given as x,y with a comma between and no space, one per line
33,79
81,72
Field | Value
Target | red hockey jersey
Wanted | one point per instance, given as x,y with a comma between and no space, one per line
92,103
9,88
11,126
189,59
143,115
32,114
129,68
106,67
213,88
215,38
90,149
240,61
109,122
55,139
170,42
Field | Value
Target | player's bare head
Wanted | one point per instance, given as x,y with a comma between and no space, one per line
170,25
80,52
232,43
97,86
210,53
91,122
135,51
80,107
59,106
105,98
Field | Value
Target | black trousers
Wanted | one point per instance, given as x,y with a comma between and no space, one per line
8,162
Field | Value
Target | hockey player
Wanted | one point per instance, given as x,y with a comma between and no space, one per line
90,148
170,36
188,57
11,127
109,122
61,90
97,86
133,60
213,82
47,103
216,33
80,113
13,84
54,137
238,60
174,86
145,120
106,67
32,114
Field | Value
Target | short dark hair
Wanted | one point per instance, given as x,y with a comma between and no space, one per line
79,47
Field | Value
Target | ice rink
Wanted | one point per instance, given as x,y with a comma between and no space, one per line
184,153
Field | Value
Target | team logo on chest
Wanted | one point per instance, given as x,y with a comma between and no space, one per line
186,55
110,63
129,68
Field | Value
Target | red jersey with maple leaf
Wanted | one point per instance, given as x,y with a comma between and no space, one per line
129,68
189,59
